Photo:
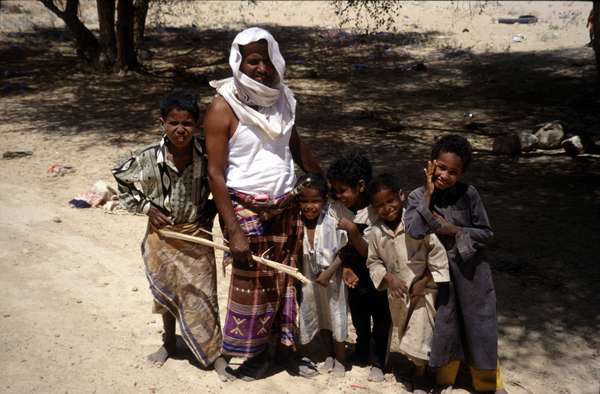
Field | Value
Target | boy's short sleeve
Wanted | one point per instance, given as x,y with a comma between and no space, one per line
127,174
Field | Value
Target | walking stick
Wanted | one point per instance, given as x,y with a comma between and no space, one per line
269,263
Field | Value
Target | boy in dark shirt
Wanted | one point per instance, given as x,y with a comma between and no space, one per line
349,176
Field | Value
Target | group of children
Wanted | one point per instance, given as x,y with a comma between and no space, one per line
392,262
418,270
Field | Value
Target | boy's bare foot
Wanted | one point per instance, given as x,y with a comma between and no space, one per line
169,346
376,375
328,364
159,357
339,370
222,369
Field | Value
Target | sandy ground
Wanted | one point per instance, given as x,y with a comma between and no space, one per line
75,310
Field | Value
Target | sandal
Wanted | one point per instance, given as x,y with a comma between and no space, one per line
307,368
376,374
339,370
327,365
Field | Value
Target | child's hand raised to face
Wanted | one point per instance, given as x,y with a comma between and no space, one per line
429,173
395,285
349,277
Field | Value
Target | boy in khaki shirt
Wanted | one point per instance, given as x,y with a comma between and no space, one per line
409,269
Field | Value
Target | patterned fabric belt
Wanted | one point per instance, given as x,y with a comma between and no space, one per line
263,207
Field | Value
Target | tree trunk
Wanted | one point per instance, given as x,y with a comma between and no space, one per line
141,11
596,44
106,21
88,46
126,59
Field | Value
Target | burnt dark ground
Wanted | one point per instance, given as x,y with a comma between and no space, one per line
544,206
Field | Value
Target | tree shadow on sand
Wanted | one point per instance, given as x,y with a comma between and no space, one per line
373,94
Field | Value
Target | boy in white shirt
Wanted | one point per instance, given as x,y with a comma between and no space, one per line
409,269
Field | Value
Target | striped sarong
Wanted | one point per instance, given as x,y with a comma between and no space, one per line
183,281
262,301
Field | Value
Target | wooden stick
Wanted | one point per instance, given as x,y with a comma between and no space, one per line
213,235
224,266
269,263
278,266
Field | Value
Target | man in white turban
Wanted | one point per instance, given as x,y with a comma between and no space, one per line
252,146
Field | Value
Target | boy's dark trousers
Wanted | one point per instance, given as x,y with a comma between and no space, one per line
367,303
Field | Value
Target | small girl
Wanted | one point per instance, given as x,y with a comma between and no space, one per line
465,324
323,306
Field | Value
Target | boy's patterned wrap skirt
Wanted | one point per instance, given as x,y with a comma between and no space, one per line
183,281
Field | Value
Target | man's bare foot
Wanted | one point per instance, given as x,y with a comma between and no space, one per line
254,368
376,375
159,357
222,369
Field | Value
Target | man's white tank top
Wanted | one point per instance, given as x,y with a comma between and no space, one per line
258,164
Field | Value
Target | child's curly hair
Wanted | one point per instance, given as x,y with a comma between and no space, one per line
181,99
456,144
350,168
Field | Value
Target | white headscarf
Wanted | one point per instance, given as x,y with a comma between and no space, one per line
276,106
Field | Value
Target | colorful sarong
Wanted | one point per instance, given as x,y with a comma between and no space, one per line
262,301
183,281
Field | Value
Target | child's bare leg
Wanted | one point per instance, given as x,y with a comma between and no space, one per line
329,363
382,324
339,368
420,370
420,385
159,357
339,349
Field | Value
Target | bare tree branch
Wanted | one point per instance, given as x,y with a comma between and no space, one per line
596,34
72,7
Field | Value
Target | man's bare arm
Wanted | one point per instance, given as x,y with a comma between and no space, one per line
217,125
